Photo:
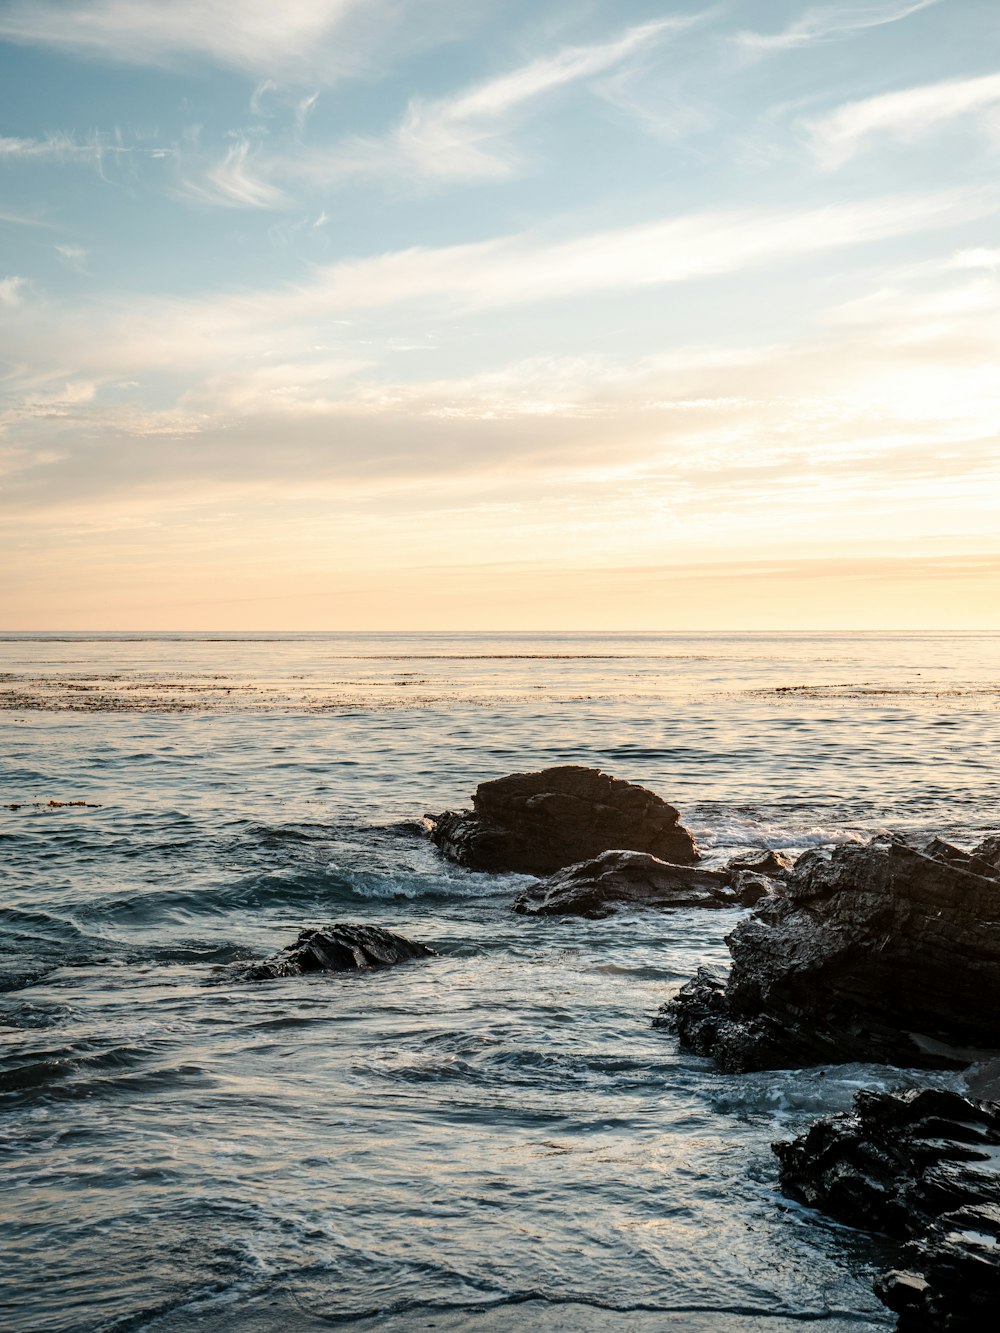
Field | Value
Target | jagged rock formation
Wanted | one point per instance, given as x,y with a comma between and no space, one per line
624,879
925,1167
759,874
537,823
875,952
339,948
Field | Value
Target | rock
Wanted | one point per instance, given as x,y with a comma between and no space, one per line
749,888
537,823
758,874
920,1166
774,865
989,851
875,952
624,879
951,1282
339,948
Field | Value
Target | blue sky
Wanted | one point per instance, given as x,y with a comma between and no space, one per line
642,315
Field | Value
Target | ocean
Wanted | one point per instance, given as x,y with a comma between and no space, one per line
493,1140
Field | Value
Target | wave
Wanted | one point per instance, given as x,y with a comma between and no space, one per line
734,832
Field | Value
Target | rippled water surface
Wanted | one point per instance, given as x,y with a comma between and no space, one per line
493,1140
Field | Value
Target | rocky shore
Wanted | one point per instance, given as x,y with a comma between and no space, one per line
884,952
923,1167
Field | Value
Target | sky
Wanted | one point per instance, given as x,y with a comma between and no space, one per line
507,314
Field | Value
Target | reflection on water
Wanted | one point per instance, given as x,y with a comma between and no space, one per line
495,1139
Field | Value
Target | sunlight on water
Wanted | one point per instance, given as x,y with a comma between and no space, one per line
496,1138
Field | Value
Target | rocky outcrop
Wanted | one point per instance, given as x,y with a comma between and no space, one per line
616,880
758,874
339,948
924,1167
876,952
537,823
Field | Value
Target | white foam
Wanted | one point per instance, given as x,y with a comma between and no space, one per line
731,831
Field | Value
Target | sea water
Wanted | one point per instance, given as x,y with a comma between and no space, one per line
495,1139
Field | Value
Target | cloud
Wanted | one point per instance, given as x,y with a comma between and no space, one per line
907,115
314,39
74,256
526,269
264,87
829,23
458,136
980,257
463,137
173,337
65,149
10,291
53,148
24,220
233,183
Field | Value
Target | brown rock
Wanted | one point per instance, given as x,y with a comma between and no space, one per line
537,823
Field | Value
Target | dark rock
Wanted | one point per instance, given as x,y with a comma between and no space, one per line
875,952
775,865
749,887
537,823
983,1079
758,874
339,948
920,1166
989,851
624,879
951,1282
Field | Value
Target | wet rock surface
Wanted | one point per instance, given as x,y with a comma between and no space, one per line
617,880
877,952
757,875
924,1167
339,947
538,823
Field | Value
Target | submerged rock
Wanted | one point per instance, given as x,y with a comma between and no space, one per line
624,879
875,952
924,1167
537,823
339,948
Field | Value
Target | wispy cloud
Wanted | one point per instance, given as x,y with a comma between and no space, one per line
177,337
73,256
462,136
314,39
524,268
829,23
53,148
234,183
62,148
16,219
907,115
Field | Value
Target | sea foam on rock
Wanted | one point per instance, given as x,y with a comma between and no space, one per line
537,823
340,947
921,1166
876,952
